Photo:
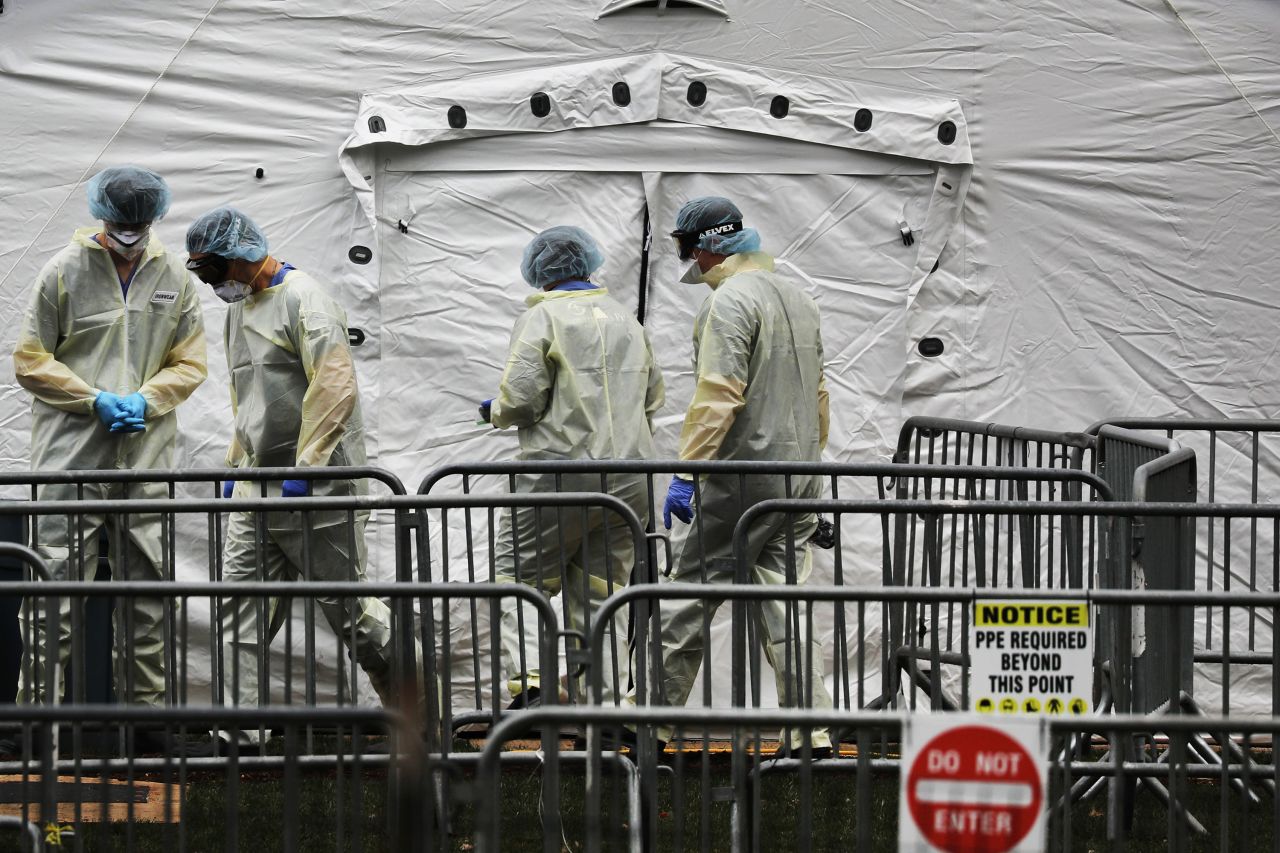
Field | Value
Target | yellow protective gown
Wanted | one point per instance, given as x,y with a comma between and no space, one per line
296,402
580,383
760,395
82,335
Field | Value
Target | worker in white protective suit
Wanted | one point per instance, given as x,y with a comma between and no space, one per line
296,403
113,341
580,383
760,394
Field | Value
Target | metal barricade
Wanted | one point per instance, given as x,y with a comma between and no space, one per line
1239,462
861,556
370,789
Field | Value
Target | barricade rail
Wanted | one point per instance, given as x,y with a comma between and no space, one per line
809,814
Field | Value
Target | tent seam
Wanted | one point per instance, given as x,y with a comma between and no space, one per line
111,139
1220,68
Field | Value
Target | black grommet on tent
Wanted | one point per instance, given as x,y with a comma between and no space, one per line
457,117
930,347
947,132
356,336
779,106
360,254
540,104
258,173
376,124
621,94
697,93
862,120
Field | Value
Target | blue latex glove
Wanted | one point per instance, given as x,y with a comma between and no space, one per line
132,411
107,407
296,488
679,502
228,486
486,410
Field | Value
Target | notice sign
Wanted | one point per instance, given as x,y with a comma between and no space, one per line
969,786
1031,657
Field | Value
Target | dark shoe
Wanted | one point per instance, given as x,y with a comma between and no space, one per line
526,699
617,739
817,753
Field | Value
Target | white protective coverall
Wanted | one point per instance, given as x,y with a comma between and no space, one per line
580,383
294,394
83,334
760,395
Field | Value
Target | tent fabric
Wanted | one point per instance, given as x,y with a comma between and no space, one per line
1108,252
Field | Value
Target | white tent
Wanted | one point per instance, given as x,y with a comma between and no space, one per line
1089,191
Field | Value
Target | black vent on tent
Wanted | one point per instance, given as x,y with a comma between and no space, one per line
697,94
457,117
360,254
540,104
930,347
376,124
621,94
779,106
947,132
862,120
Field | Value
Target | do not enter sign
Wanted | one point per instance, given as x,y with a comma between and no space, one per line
969,787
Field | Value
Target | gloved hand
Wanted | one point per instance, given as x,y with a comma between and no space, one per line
134,406
486,410
107,407
228,486
296,488
679,501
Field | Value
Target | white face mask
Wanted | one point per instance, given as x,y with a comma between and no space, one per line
693,275
232,291
128,244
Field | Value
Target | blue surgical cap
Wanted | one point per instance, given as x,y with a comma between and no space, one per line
229,233
127,195
710,211
559,254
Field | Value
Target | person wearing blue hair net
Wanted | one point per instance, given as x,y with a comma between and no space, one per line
295,403
112,343
760,394
580,382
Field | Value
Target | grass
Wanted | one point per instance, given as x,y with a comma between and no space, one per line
330,812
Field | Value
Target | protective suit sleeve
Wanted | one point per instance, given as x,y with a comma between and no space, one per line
824,412
723,362
34,364
235,453
528,376
185,365
325,350
657,392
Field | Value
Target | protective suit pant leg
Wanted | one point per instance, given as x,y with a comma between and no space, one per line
249,623
798,662
586,553
69,545
707,557
144,626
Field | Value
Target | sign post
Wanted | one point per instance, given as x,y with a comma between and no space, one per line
969,786
1031,657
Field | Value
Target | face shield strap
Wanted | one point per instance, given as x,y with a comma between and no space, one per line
687,241
211,269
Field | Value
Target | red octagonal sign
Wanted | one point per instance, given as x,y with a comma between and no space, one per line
974,789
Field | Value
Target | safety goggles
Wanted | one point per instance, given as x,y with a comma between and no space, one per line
687,241
211,269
